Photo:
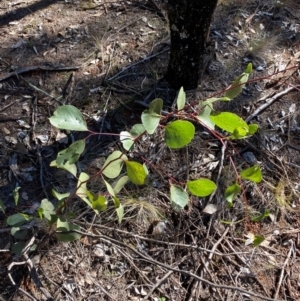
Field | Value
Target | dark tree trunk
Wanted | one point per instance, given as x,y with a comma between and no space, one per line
189,25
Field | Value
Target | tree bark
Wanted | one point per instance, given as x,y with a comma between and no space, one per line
189,22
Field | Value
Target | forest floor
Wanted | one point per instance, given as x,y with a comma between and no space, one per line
108,59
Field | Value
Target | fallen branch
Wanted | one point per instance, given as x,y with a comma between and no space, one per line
45,67
268,103
153,261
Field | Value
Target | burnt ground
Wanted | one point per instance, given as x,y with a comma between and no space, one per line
108,59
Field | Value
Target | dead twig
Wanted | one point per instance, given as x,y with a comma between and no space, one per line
168,267
40,90
45,67
137,63
268,103
283,268
32,271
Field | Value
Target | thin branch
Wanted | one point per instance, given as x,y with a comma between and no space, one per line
153,261
268,103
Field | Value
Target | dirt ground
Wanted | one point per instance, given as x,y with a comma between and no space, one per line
108,58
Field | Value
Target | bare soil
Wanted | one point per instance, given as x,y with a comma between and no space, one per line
108,58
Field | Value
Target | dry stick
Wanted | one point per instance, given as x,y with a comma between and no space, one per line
269,102
283,268
9,105
213,250
157,284
153,261
137,63
32,271
42,91
22,70
155,240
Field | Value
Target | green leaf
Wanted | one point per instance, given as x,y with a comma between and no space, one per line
179,133
119,209
2,206
71,168
40,212
48,209
229,121
81,185
128,138
110,190
136,173
210,101
120,184
18,219
201,187
204,117
68,117
239,132
237,86
16,195
231,192
60,196
137,130
70,154
252,174
261,216
18,247
151,117
179,197
113,164
252,128
98,202
181,99
17,233
258,239
65,226
249,68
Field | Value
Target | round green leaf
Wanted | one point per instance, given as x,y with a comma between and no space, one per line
201,187
113,164
65,226
18,247
17,233
151,117
127,140
68,117
137,130
179,197
136,173
179,133
48,208
70,154
253,174
98,202
229,121
71,168
18,219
